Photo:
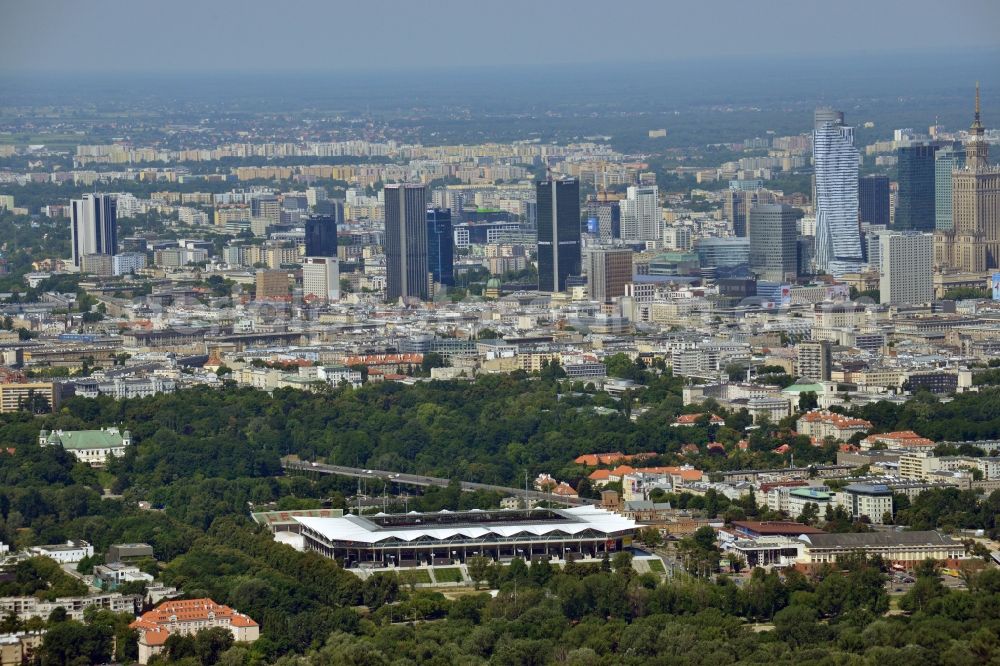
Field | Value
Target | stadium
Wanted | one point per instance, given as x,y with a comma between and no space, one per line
448,537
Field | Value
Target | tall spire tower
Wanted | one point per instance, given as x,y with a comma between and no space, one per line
976,147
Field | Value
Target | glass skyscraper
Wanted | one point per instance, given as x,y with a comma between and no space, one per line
947,160
406,242
321,236
440,246
915,199
558,233
838,234
873,199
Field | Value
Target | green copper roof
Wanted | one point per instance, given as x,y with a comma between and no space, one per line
87,439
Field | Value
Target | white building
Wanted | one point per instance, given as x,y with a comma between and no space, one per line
64,553
127,263
93,225
872,501
90,446
905,260
838,237
321,278
640,211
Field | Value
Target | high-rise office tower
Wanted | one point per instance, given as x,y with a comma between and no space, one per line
838,235
609,220
735,209
946,161
915,199
609,269
558,232
773,252
93,226
640,210
973,245
440,246
873,199
321,236
406,242
905,260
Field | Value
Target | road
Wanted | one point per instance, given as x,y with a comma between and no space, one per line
419,480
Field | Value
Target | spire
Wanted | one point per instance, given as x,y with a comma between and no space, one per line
977,125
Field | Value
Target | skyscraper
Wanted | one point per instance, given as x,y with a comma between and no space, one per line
946,161
838,235
558,232
406,242
915,200
93,226
321,236
905,260
321,278
609,269
440,246
640,210
973,245
873,199
773,252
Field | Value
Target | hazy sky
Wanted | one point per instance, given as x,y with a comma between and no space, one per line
95,35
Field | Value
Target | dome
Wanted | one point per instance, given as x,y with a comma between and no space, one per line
493,283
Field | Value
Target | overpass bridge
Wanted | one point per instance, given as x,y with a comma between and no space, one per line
314,469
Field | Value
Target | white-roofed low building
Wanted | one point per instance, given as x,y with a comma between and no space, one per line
445,537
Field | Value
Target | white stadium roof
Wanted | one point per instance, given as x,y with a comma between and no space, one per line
569,522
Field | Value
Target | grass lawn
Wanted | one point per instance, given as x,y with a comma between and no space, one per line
449,575
656,566
415,576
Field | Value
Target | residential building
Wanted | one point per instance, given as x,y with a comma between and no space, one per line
838,236
100,265
609,269
558,211
29,396
906,261
440,246
271,284
93,226
640,214
321,278
915,209
773,251
814,360
186,617
873,200
406,242
127,263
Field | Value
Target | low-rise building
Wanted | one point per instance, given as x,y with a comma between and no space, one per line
90,446
185,617
906,548
820,424
867,500
64,553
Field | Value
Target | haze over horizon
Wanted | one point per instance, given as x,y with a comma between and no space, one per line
121,36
